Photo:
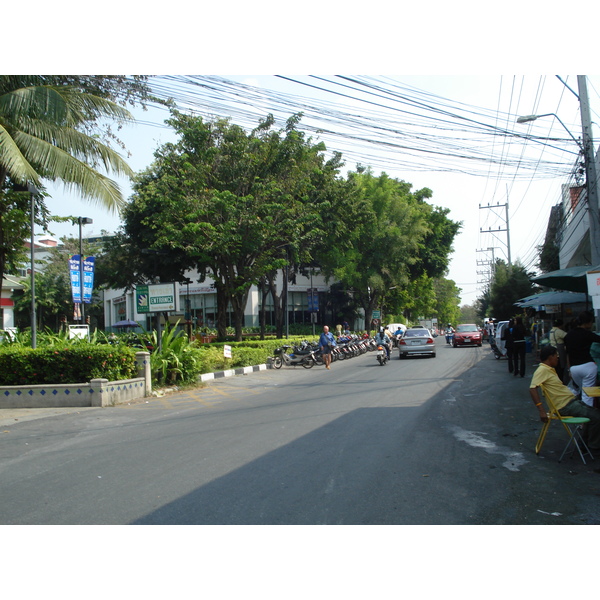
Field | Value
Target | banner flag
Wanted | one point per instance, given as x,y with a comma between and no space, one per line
88,277
74,268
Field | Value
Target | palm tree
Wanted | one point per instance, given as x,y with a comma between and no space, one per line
47,133
42,136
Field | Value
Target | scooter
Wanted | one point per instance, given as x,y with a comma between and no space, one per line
449,338
306,358
381,354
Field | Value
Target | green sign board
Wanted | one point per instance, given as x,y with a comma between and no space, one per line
157,297
377,314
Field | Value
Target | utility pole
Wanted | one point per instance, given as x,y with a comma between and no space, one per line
491,264
590,169
499,230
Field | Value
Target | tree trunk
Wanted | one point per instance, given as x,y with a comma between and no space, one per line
222,302
277,306
262,319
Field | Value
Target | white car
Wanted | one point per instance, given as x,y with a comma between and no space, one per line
416,341
500,343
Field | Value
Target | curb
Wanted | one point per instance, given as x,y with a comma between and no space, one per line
232,372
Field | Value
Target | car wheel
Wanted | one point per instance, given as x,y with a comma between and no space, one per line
402,356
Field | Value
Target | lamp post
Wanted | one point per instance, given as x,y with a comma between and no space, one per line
33,192
587,149
82,221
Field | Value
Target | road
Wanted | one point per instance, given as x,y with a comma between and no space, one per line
445,440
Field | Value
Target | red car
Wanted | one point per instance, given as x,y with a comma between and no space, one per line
467,335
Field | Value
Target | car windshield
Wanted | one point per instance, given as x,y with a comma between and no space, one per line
416,333
467,328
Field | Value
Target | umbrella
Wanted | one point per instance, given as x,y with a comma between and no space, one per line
126,323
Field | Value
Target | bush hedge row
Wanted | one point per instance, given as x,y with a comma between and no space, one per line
82,362
71,364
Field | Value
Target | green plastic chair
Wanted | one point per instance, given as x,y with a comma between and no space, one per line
573,427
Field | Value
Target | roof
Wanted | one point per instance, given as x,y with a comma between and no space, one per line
12,282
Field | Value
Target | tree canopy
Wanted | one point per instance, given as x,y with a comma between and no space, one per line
234,205
396,240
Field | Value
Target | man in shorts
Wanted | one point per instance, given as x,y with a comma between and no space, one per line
327,342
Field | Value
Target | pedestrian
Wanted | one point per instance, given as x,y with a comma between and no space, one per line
562,397
519,347
556,338
582,366
490,330
326,342
509,344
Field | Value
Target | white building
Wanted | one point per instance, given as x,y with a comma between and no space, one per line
201,301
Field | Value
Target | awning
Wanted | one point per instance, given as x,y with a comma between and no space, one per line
546,298
572,279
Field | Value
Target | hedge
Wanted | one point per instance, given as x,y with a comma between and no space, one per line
70,364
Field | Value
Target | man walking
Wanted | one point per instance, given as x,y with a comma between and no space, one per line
327,342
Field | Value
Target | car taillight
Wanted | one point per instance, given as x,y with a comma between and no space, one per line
403,342
430,341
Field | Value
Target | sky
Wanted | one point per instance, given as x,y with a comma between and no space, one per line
477,201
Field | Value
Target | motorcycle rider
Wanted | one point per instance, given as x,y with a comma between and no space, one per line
383,339
449,332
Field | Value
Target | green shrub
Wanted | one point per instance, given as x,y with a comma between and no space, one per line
78,363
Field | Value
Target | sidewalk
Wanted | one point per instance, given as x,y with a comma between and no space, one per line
10,416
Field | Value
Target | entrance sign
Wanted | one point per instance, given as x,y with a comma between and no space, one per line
156,297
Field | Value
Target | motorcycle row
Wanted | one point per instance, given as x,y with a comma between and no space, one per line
309,354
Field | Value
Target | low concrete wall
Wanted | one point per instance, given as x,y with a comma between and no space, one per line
98,392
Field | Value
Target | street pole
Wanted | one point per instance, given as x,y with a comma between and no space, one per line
32,192
590,170
82,311
82,221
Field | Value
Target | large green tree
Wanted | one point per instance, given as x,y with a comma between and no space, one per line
396,240
234,205
447,300
509,283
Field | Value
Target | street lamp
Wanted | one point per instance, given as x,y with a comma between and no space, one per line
33,192
587,149
82,221
529,118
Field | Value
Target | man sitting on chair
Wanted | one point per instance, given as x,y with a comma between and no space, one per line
561,396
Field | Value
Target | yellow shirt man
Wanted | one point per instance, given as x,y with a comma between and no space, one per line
559,393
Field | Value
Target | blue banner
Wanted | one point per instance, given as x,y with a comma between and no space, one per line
88,277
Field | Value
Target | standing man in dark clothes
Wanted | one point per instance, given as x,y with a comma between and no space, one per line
578,341
509,344
518,335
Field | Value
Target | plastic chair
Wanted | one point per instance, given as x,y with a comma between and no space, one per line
573,427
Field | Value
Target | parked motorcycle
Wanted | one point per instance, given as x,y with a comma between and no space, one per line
300,356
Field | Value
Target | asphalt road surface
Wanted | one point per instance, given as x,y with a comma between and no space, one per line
445,440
